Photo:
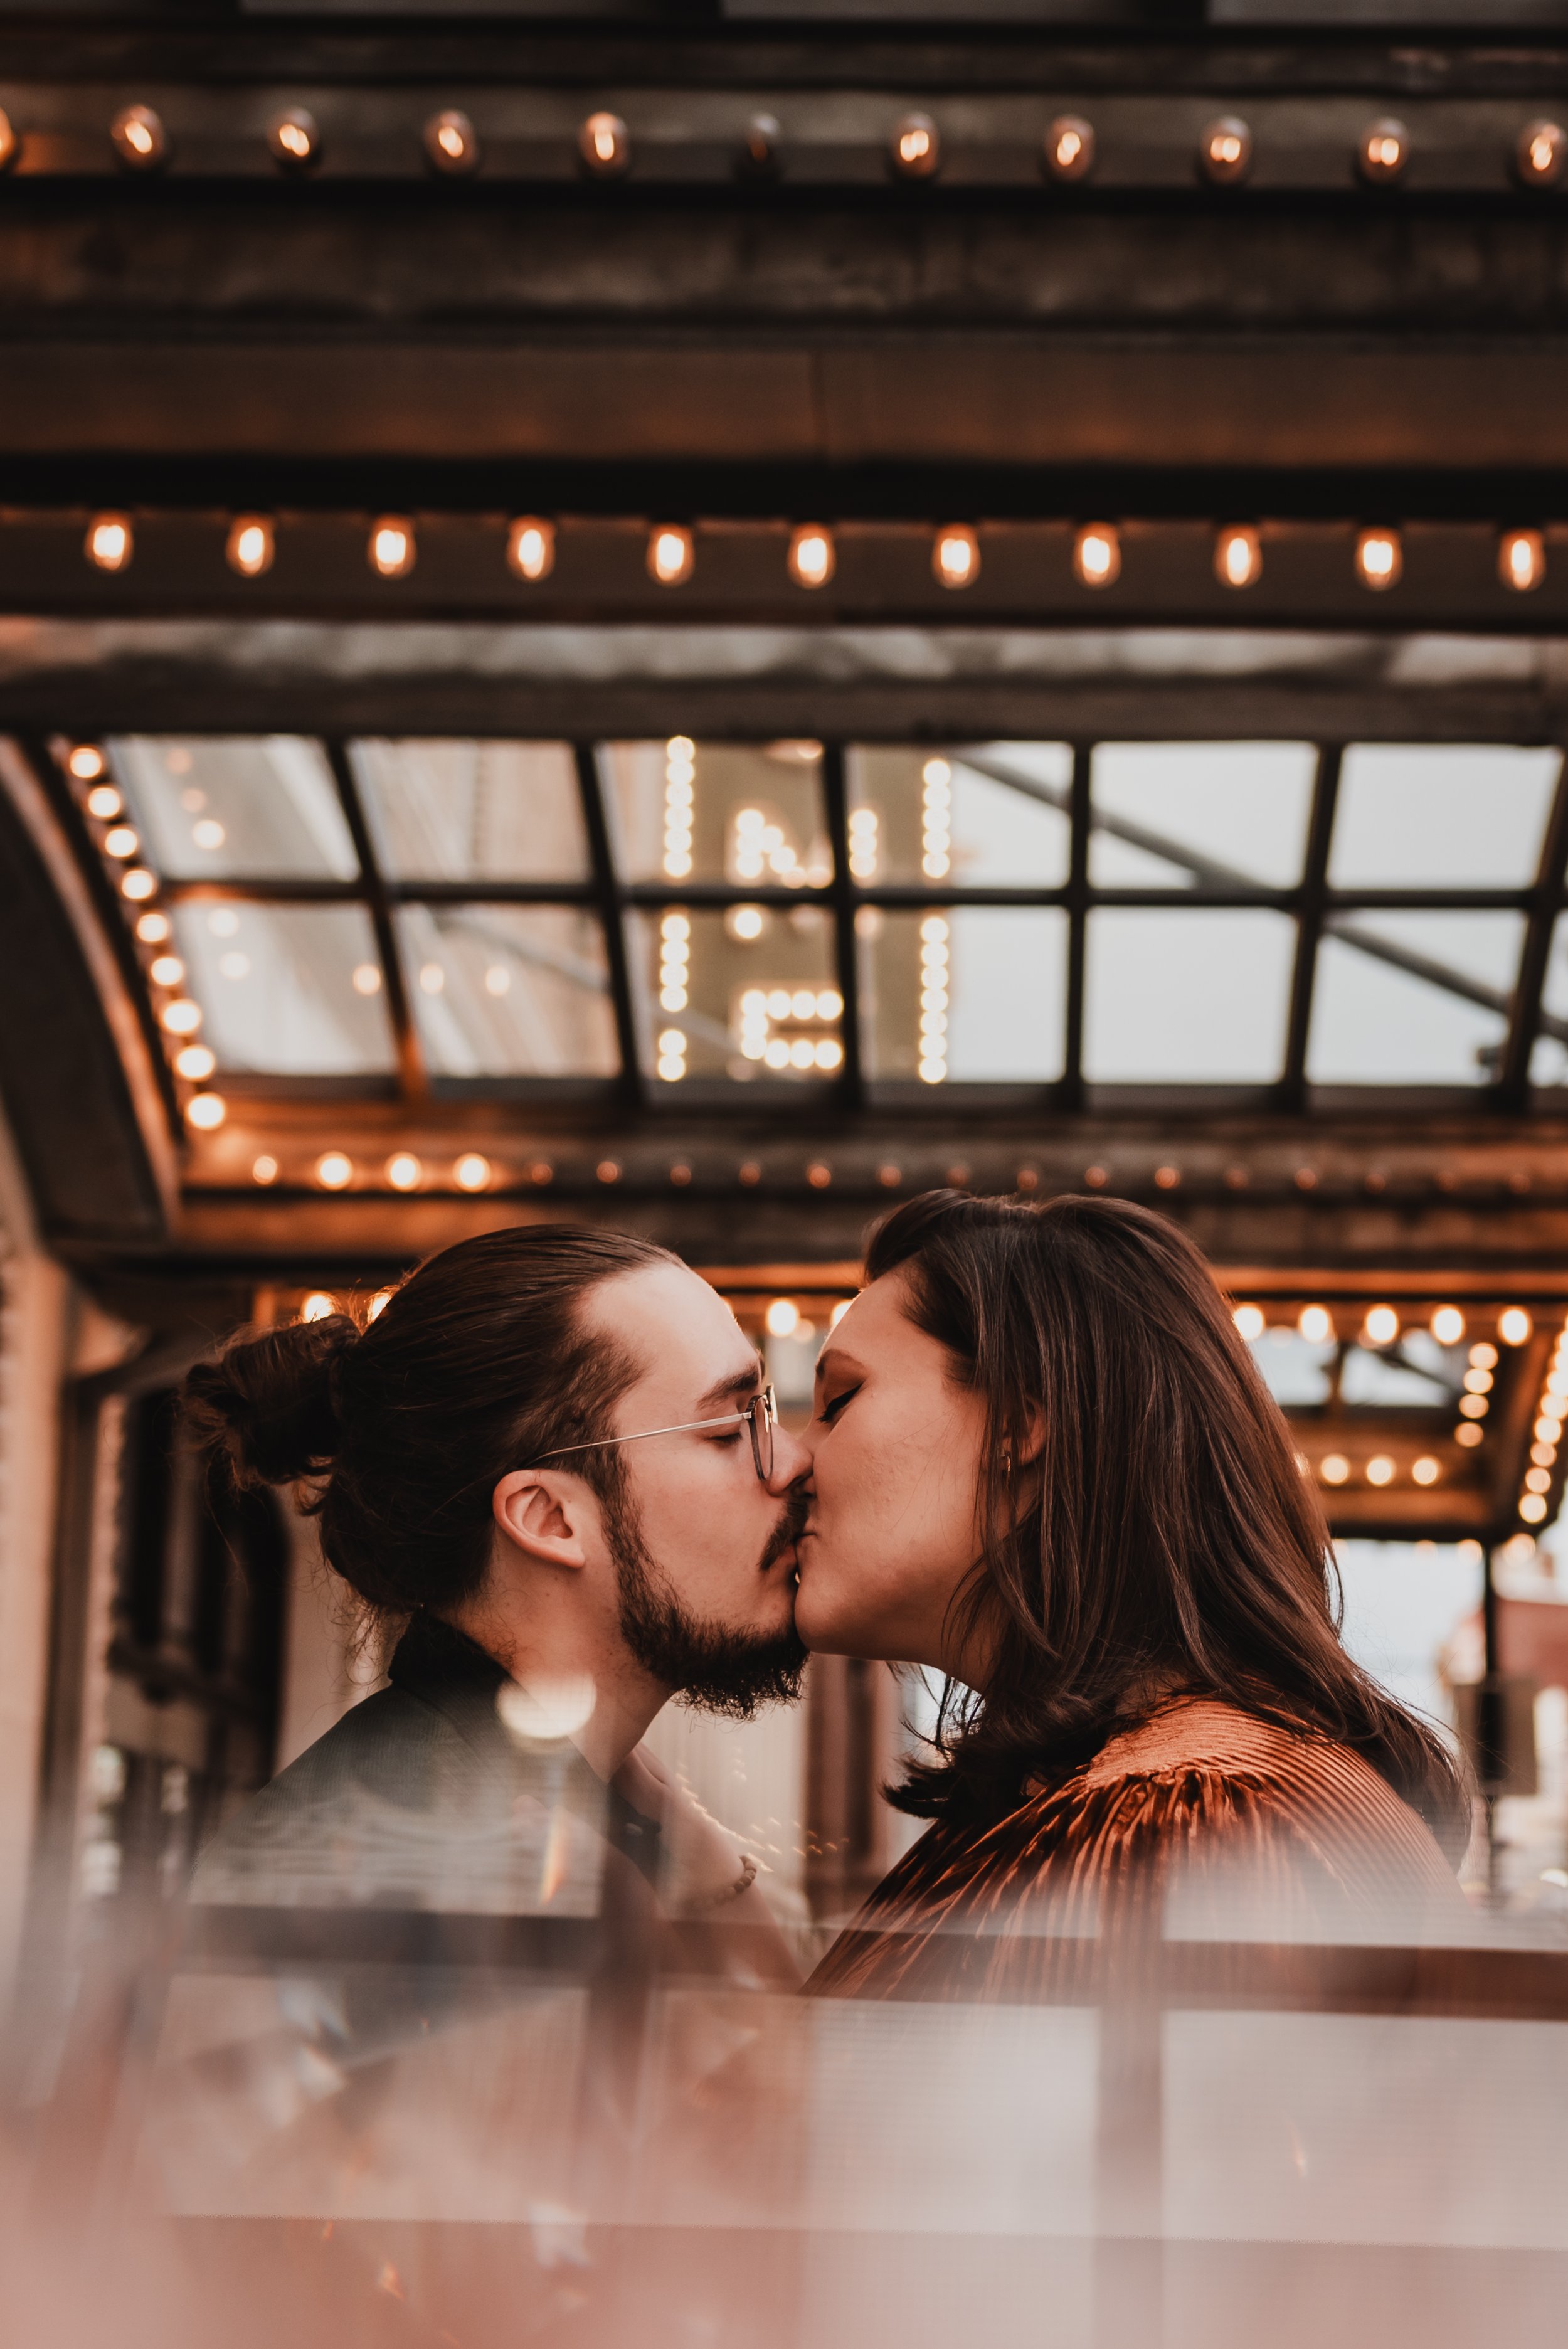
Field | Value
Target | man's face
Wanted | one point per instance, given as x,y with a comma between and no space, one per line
703,1551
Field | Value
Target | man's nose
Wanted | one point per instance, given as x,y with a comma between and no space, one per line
792,1461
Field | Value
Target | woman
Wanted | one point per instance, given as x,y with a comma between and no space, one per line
1046,1467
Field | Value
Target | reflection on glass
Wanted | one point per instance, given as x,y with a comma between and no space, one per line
982,817
287,991
1394,1000
1175,997
510,990
744,994
461,811
969,994
1444,814
224,808
1549,1058
1167,815
684,811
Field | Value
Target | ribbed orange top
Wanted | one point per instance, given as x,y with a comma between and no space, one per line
1202,1823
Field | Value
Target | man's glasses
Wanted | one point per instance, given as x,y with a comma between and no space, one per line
759,1416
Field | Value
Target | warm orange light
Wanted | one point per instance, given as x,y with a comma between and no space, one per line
195,1064
450,144
10,145
1520,560
1248,1322
1315,1324
1514,1326
181,1016
318,1306
1379,559
1385,149
121,841
1540,154
110,542
1381,1326
1097,554
605,146
671,554
1334,1468
530,547
1448,1325
151,928
915,149
85,761
1379,1469
1533,1508
294,138
472,1171
167,970
335,1170
1068,151
140,141
812,560
955,557
1238,557
138,884
251,546
1425,1470
206,1110
104,802
1225,150
1469,1435
391,551
404,1171
264,1168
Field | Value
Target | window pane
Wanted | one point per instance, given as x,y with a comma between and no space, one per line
920,815
219,809
1167,815
1172,998
971,994
749,993
1549,1060
1443,815
287,991
473,811
1375,1022
681,811
510,990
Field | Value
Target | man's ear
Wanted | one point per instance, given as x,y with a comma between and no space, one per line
544,1514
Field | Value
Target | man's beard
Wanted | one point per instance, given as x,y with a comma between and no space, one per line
710,1667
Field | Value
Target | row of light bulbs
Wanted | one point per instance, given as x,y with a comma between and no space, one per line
1551,1411
1380,1326
391,550
1068,151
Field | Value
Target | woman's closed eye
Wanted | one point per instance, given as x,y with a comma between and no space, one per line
833,1404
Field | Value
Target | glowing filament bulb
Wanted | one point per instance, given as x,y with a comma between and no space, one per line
671,554
1068,151
110,542
531,548
1538,156
294,138
85,761
251,546
391,550
1520,560
1384,150
1225,151
605,145
450,144
916,147
812,556
1379,559
955,557
1238,557
1097,554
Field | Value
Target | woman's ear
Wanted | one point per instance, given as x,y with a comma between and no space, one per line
542,1515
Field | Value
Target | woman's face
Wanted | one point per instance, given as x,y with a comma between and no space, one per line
896,1445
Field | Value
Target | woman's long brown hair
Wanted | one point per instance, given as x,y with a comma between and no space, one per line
1163,1535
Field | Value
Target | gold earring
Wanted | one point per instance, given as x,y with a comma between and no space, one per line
1007,1463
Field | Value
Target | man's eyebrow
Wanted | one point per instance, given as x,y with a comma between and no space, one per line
738,1385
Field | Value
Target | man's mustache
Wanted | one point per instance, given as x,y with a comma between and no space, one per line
788,1531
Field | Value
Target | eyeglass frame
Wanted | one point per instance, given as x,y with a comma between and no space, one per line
766,1401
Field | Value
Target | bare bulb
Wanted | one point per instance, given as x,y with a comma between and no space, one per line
530,547
1069,148
914,150
1520,560
671,554
110,542
294,138
391,551
1379,559
812,560
1540,154
1225,150
1238,557
451,145
604,144
251,546
1384,150
1097,554
139,140
955,557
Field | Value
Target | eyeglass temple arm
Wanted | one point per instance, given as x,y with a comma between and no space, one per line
682,1427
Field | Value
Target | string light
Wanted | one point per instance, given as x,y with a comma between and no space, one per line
955,556
1468,1433
404,1171
294,138
1448,1325
1425,1470
472,1171
335,1170
1379,1469
121,841
167,970
451,145
10,145
139,140
264,1169
318,1306
1533,1508
206,1111
865,847
1315,1324
915,147
251,546
85,761
936,818
1379,559
530,547
1514,1326
110,542
367,978
671,554
1334,1468
934,973
1068,150
674,962
1520,560
1381,1326
760,147
782,1317
1248,1322
812,560
138,884
1225,150
680,805
1097,555
182,1017
1384,150
1238,556
745,923
604,144
391,549
672,1064
152,929
195,1064
1539,155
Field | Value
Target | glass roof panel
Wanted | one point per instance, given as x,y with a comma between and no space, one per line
1296,1371
1393,1003
741,812
230,808
1167,815
461,811
1441,815
1177,997
935,816
287,991
744,994
510,990
1549,1060
968,994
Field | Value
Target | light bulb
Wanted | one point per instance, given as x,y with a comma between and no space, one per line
294,138
812,558
1225,150
367,978
1448,1325
745,922
195,1064
318,1306
152,929
181,1016
110,542
605,145
10,145
404,1171
167,970
1384,150
1315,1324
1068,150
671,554
1379,1469
1538,156
914,150
530,547
85,761
472,1171
206,1111
451,145
1514,1326
782,1317
1520,560
1334,1468
333,1170
1379,559
1248,1322
1097,554
1467,1434
251,546
1533,1508
759,150
104,802
955,557
1381,1326
391,549
1425,1470
138,884
140,141
264,1168
1238,556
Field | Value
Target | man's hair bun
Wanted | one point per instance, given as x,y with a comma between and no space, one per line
270,1403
